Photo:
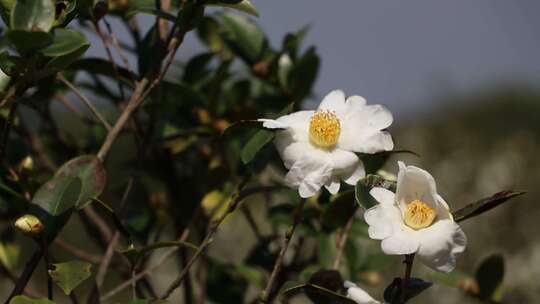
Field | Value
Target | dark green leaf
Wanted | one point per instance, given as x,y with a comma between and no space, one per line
374,162
58,194
362,188
392,293
27,42
245,38
483,205
338,212
490,275
255,144
69,275
99,66
242,5
65,41
208,32
151,11
33,15
322,294
28,300
89,169
303,74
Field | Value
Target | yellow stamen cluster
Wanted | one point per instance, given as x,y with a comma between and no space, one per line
324,129
419,215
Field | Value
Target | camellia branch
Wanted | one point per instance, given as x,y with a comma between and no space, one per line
237,198
264,297
409,259
85,100
340,246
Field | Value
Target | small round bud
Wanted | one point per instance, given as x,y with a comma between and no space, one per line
29,225
27,164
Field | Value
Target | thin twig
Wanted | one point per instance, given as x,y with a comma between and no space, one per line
146,271
6,130
265,294
237,197
340,246
85,100
105,262
117,46
409,259
97,28
26,275
79,253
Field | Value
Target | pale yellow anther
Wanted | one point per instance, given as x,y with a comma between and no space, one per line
324,129
419,215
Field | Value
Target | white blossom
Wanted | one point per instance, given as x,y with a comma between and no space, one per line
416,219
318,147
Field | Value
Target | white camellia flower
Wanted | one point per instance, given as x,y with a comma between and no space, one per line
318,146
358,295
416,219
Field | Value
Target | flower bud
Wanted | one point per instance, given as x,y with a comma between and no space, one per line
29,225
26,165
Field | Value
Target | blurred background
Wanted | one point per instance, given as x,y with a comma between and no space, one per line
463,81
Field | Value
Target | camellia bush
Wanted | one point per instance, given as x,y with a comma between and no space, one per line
210,163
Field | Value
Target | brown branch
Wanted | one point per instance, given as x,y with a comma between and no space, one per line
76,252
264,297
409,259
236,199
340,246
105,262
146,271
85,100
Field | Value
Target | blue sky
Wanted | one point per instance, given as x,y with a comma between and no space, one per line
407,53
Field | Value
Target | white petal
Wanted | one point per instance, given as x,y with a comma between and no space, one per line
440,244
359,295
297,124
334,101
401,242
417,184
356,174
383,196
290,150
361,129
332,186
380,226
309,174
343,161
272,124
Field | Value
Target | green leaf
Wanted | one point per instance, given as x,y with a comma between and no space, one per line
28,42
244,37
33,15
69,275
241,5
90,171
338,212
9,254
362,188
323,295
392,293
58,194
28,300
483,205
255,144
65,41
303,74
99,66
374,162
208,32
490,275
4,81
151,11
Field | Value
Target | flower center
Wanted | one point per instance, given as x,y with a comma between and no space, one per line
324,129
419,215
